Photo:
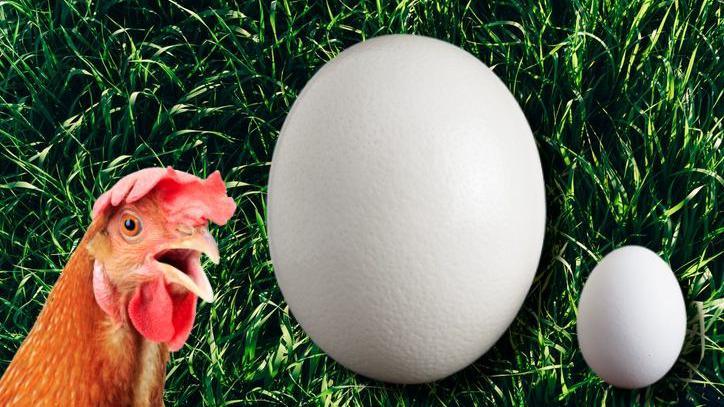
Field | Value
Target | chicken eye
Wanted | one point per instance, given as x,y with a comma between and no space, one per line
130,225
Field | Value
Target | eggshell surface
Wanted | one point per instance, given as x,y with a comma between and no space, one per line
406,208
631,318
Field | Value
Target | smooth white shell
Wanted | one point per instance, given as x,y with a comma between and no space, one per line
631,318
406,208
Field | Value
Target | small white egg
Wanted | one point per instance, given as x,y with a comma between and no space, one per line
631,318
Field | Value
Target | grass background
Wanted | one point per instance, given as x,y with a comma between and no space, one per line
624,99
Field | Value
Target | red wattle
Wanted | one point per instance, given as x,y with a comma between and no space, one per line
184,311
160,316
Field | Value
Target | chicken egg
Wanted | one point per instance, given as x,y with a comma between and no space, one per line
406,208
631,318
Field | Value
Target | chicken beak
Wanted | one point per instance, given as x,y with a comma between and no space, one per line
200,241
194,280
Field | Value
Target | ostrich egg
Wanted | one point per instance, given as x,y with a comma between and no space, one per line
631,318
406,208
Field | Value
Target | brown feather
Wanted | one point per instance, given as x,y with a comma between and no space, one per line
76,356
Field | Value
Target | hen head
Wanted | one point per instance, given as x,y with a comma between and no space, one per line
147,267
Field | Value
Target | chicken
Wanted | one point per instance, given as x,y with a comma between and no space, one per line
126,298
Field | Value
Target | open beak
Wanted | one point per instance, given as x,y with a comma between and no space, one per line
180,262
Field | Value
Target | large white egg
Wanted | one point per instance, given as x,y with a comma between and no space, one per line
406,208
631,318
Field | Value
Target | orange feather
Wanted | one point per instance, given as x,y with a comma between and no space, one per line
76,356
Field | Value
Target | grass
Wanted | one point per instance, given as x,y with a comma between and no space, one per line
624,99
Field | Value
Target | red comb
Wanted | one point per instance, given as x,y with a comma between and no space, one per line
184,195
